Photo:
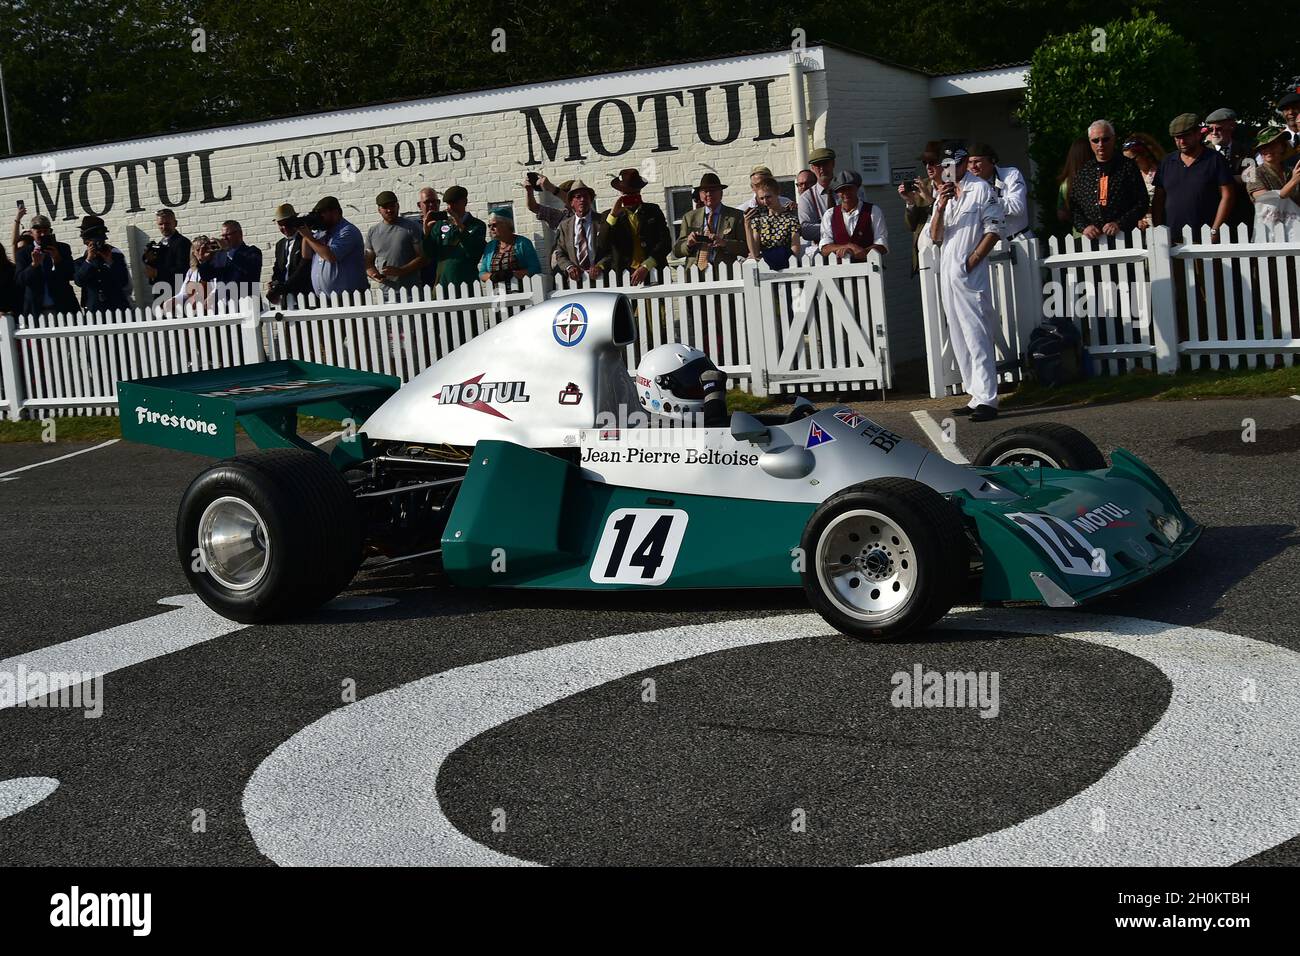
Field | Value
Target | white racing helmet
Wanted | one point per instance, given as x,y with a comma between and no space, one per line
668,380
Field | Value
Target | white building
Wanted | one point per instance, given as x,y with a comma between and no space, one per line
673,122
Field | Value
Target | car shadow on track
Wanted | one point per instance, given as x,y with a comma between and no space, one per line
1191,595
424,593
1191,592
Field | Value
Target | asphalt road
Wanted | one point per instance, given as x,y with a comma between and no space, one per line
240,749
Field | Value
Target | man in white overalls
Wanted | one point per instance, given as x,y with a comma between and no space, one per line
968,220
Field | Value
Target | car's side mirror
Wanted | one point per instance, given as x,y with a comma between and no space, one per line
745,427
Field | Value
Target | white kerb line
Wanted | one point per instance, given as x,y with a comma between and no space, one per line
932,431
51,461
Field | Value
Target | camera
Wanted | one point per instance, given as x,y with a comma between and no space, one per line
152,253
533,179
909,185
313,220
96,238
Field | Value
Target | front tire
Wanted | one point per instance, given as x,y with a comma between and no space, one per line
884,558
269,535
1046,445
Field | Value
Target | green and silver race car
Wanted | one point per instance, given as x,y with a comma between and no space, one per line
522,460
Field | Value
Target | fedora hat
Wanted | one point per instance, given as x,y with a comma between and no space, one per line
578,186
628,181
711,181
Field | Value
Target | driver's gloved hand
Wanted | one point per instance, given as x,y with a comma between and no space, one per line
714,384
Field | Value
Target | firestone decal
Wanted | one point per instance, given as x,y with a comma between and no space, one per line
570,324
143,415
476,394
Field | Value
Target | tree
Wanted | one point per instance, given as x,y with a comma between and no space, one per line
1137,73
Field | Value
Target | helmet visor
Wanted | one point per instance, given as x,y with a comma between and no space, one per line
685,381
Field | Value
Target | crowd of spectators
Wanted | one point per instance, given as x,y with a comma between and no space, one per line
1220,173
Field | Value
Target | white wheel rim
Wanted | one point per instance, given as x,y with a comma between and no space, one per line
866,565
234,546
1026,458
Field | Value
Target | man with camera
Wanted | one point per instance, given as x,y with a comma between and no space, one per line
43,271
713,233
238,267
101,273
968,221
456,241
337,249
291,270
638,230
166,260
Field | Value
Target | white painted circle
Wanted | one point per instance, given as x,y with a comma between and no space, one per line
1215,781
19,793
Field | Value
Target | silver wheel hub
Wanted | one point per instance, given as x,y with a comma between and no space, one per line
1026,458
866,565
234,546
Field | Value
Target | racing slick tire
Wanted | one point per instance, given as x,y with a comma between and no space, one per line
1047,444
269,535
884,558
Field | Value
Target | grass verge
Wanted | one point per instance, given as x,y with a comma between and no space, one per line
1181,386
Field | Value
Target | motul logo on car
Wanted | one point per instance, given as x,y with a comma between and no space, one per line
476,394
1106,516
143,415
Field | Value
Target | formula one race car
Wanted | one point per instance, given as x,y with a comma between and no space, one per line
530,458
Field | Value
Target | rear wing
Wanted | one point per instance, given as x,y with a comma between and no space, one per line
197,411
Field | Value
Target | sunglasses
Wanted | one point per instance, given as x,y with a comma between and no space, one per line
1102,139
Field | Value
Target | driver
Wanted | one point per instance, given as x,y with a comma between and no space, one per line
681,383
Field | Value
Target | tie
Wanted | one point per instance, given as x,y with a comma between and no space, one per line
580,233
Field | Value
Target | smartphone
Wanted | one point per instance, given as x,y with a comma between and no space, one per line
532,179
22,205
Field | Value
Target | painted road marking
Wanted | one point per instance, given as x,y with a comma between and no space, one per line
1215,781
359,785
5,474
19,793
933,432
138,641
123,646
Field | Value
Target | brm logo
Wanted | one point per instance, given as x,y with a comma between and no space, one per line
1107,516
476,394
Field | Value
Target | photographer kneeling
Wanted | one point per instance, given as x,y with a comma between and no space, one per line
101,274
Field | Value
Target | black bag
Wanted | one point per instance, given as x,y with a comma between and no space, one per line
1055,353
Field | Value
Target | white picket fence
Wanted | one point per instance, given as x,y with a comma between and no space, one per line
818,326
1140,301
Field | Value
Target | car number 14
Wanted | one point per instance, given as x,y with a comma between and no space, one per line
639,546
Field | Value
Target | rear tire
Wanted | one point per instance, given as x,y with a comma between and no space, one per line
884,558
269,535
1049,445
